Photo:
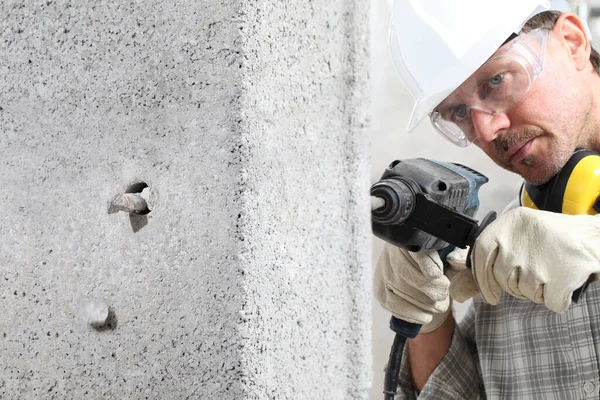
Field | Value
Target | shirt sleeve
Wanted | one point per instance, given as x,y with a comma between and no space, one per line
458,376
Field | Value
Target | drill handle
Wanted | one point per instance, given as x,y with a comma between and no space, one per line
404,328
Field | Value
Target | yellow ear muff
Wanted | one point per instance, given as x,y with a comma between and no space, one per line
526,199
574,190
583,187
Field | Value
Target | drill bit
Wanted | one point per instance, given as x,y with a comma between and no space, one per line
377,203
131,203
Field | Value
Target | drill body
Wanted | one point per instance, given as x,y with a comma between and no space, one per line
428,205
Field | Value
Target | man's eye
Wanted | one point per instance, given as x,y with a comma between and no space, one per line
496,80
461,112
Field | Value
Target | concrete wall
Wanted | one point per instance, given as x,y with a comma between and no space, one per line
250,276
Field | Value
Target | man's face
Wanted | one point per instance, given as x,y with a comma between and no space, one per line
538,134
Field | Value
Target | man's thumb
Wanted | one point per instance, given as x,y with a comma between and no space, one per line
463,286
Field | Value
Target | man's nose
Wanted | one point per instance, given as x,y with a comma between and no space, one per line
487,124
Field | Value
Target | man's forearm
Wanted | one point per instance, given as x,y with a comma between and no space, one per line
427,350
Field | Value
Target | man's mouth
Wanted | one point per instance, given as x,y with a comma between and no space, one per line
518,151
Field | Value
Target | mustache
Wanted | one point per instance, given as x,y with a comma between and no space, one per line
504,142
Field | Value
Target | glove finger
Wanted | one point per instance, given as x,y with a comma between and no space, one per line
559,301
424,291
452,273
463,286
399,261
424,302
401,287
457,259
405,310
526,286
429,263
409,274
561,293
538,296
393,264
513,284
482,263
408,282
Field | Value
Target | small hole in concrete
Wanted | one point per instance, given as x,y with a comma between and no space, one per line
136,187
110,324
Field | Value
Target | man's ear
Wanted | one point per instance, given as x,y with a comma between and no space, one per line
570,29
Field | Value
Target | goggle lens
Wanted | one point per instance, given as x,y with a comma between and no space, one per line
495,87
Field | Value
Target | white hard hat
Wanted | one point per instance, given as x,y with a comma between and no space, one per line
437,44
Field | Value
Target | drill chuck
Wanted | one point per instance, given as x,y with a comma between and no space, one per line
399,197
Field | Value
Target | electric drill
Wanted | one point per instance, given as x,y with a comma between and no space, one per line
421,204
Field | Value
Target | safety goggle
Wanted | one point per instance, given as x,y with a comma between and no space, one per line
495,87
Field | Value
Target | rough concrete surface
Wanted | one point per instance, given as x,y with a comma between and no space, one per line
250,276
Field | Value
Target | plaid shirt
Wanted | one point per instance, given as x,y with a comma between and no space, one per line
519,350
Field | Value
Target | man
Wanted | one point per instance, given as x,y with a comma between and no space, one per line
519,80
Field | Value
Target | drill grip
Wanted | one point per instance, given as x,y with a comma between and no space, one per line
404,328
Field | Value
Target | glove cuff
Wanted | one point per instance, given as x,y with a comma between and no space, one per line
437,320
